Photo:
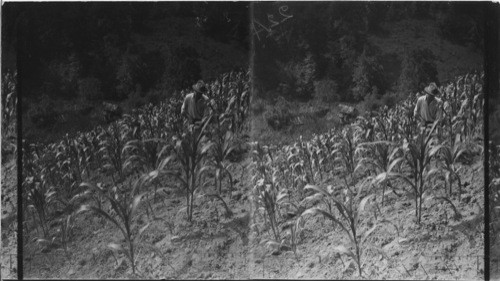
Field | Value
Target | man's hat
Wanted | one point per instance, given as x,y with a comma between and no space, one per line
432,89
200,87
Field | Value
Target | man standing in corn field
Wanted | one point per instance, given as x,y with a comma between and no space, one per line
429,107
195,103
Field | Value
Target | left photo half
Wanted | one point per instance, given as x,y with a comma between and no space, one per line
9,168
134,139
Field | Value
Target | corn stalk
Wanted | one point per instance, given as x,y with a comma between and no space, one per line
347,214
189,151
418,157
124,207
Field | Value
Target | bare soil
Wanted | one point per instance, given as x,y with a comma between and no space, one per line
495,261
439,248
216,247
211,246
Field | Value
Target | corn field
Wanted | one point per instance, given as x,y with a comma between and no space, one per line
120,170
140,154
494,175
9,113
339,173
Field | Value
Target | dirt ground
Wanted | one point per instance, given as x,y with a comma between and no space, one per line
216,247
212,246
439,248
495,259
9,220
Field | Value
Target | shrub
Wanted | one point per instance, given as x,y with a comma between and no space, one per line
327,90
258,106
280,116
390,99
298,77
367,77
372,102
43,114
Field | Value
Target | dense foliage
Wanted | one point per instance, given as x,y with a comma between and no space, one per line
128,53
68,42
334,41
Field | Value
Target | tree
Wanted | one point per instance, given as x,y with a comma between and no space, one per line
418,70
298,78
463,24
184,67
367,77
149,69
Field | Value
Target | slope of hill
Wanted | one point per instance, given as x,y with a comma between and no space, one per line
9,220
407,35
354,52
446,244
74,56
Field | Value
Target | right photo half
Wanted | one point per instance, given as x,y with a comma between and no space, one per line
492,89
368,140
